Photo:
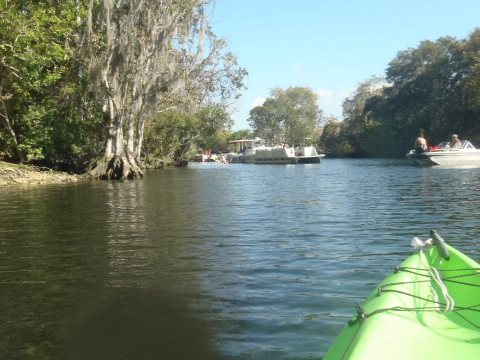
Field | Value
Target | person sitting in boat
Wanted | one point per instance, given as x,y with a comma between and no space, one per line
420,144
455,143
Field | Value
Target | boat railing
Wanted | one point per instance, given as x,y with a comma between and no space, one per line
464,145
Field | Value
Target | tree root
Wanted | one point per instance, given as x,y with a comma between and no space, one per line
117,168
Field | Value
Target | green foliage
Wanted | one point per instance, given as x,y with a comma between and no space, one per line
433,87
331,136
241,134
213,133
53,120
212,118
217,142
172,133
290,116
50,110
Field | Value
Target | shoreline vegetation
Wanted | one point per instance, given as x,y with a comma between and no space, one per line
79,92
16,174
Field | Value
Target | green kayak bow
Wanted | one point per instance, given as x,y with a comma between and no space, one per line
429,308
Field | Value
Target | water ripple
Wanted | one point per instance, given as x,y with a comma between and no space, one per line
270,259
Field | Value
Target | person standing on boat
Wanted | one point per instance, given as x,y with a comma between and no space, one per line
456,143
420,144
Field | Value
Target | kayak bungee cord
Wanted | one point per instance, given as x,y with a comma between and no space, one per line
416,271
432,275
421,245
363,316
432,297
438,280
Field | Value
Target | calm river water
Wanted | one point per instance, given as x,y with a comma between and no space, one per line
214,261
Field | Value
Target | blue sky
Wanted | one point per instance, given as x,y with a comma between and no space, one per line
330,46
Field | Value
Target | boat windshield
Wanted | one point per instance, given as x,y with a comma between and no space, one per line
465,144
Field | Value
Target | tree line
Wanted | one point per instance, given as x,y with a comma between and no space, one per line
289,115
111,85
433,88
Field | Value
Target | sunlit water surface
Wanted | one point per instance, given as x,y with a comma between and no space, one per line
214,261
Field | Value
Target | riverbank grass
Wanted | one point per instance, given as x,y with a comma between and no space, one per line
11,174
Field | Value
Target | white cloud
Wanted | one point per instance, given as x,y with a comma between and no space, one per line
324,94
330,102
258,101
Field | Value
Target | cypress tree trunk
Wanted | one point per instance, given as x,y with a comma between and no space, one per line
131,62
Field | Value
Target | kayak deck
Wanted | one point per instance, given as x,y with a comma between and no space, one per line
402,319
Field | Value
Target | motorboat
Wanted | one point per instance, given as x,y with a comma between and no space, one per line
307,155
281,154
443,154
245,150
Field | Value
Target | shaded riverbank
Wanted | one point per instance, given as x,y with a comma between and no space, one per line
11,174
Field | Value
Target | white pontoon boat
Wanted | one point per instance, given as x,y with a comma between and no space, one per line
245,150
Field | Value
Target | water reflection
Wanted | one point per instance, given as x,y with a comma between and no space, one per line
128,248
84,275
138,324
42,267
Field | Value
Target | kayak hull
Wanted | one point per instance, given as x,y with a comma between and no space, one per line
400,319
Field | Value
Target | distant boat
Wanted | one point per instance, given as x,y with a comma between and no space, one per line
245,150
442,154
288,155
255,151
307,155
275,155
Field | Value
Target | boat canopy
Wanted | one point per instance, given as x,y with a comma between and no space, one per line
242,144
